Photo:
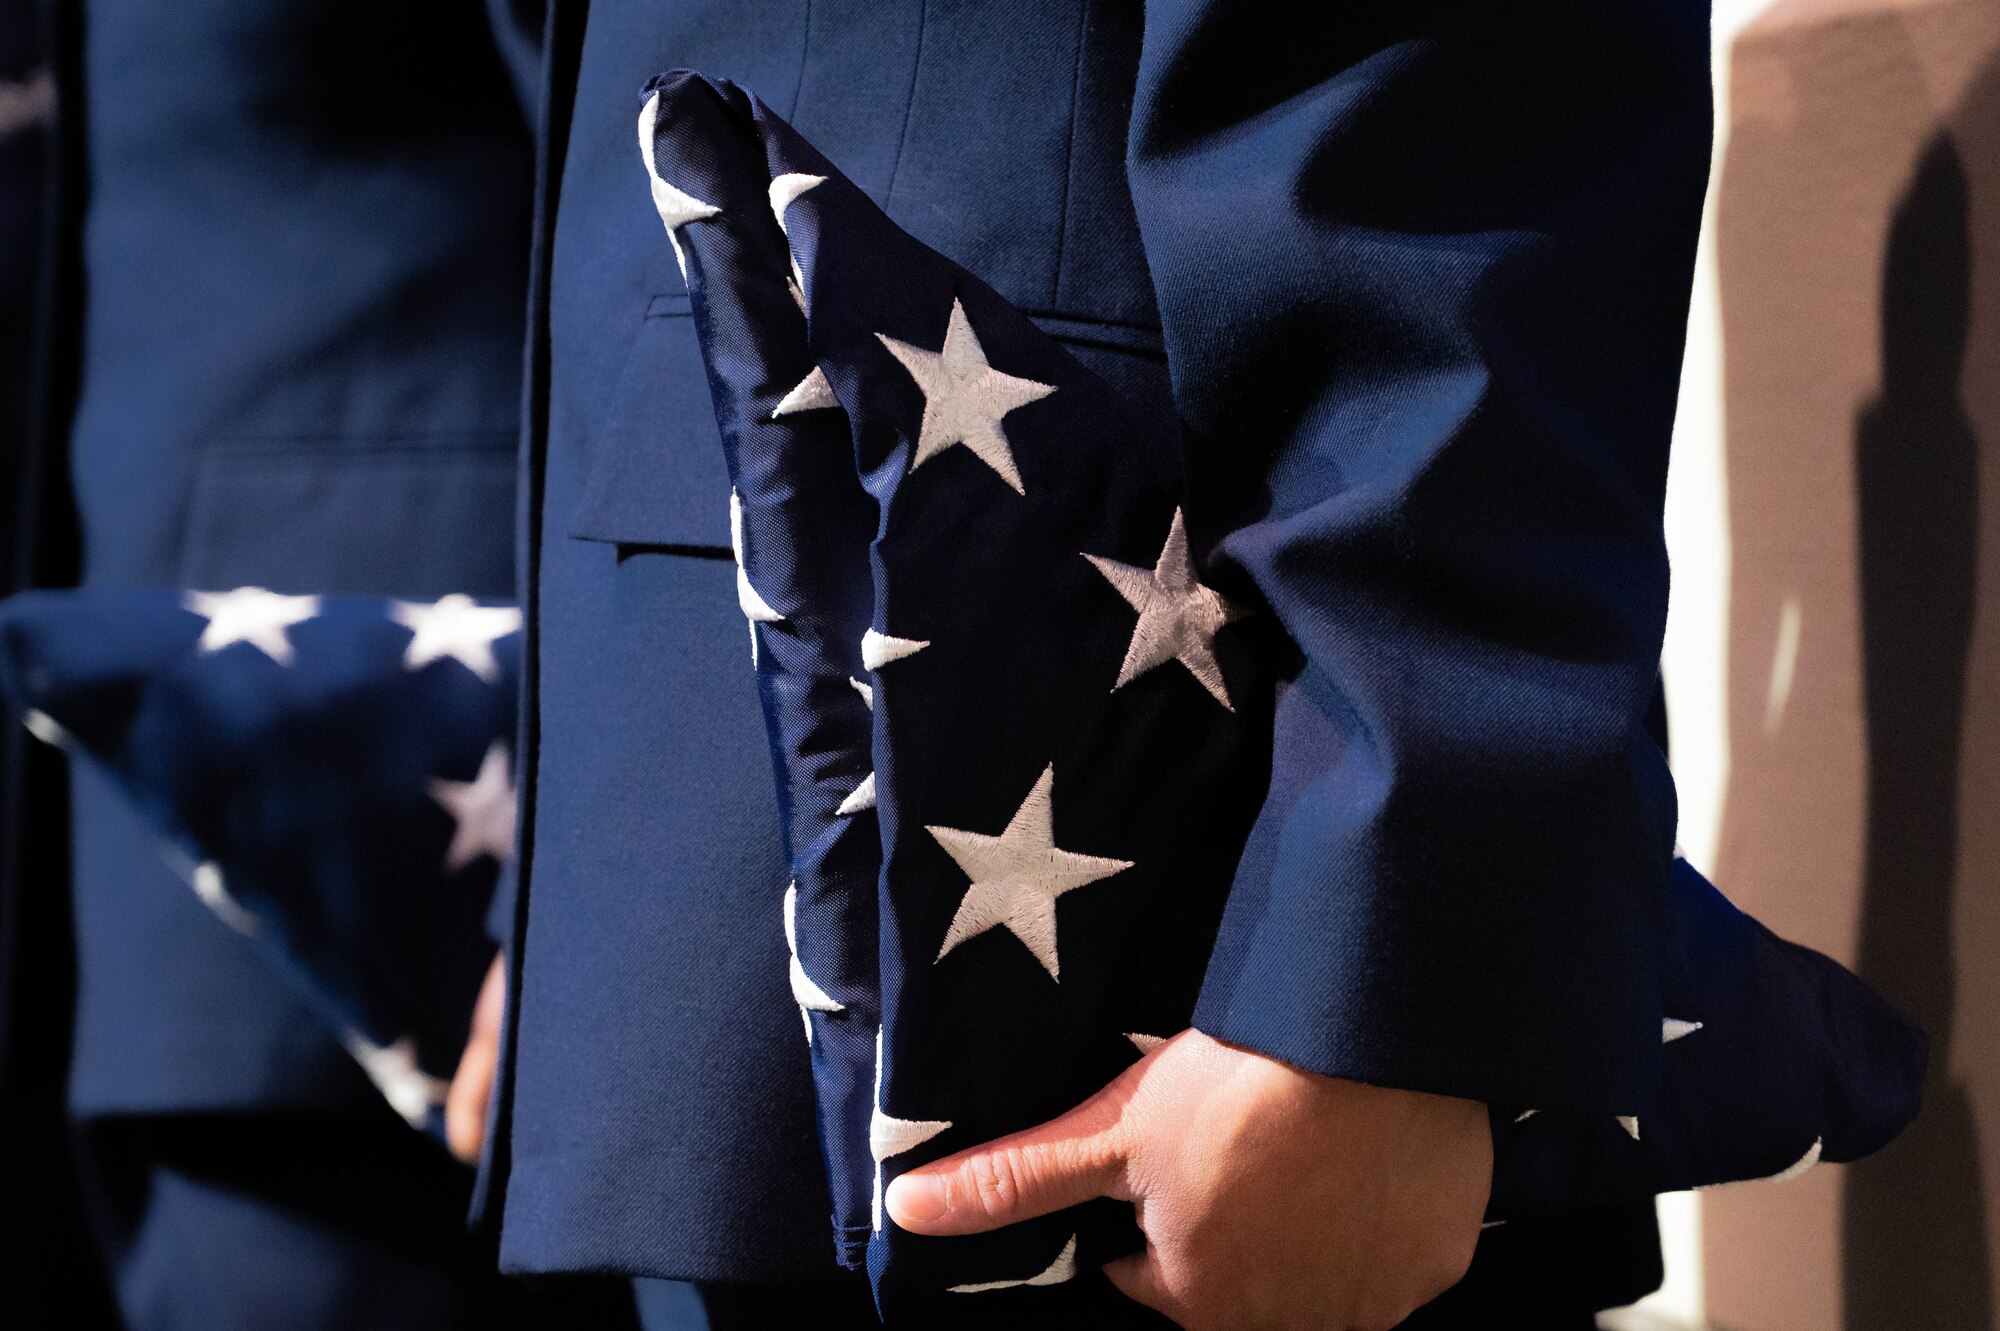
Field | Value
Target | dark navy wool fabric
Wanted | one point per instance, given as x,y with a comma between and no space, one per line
1412,276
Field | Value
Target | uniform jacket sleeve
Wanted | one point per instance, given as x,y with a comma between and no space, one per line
1423,272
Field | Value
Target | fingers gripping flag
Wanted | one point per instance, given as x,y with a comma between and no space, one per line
1021,733
331,775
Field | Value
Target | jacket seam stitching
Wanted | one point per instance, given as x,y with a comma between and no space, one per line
1069,150
909,103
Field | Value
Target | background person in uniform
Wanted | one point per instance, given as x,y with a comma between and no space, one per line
289,357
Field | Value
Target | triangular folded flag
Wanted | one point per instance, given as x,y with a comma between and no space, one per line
331,775
1021,736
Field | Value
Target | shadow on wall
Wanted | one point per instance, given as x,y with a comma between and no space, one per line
1858,258
1915,1250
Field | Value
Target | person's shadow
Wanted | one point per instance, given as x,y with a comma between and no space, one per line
1915,1228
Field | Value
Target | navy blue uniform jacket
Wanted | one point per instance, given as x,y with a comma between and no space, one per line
305,255
1415,275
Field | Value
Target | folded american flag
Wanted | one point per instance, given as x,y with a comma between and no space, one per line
331,775
1021,734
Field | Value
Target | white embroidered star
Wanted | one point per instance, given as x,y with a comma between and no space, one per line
860,799
483,809
675,206
1671,1029
811,394
1178,616
1061,1269
1800,1165
888,1136
1017,876
879,649
252,615
964,397
393,1068
457,627
809,996
50,731
206,880
785,191
754,607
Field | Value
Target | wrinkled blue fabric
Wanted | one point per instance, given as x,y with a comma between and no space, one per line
1779,1057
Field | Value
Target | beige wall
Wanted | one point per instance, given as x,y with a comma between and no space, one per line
1857,229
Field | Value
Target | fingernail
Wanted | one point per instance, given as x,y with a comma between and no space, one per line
917,1200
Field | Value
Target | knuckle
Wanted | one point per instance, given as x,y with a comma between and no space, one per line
994,1183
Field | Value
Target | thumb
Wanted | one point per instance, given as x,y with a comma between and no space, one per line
1063,1162
472,1085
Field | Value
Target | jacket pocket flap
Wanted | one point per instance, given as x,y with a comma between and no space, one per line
657,475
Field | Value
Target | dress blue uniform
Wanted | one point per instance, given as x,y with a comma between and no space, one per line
1415,276
303,236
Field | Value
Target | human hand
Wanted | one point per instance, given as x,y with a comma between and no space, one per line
1272,1199
472,1085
